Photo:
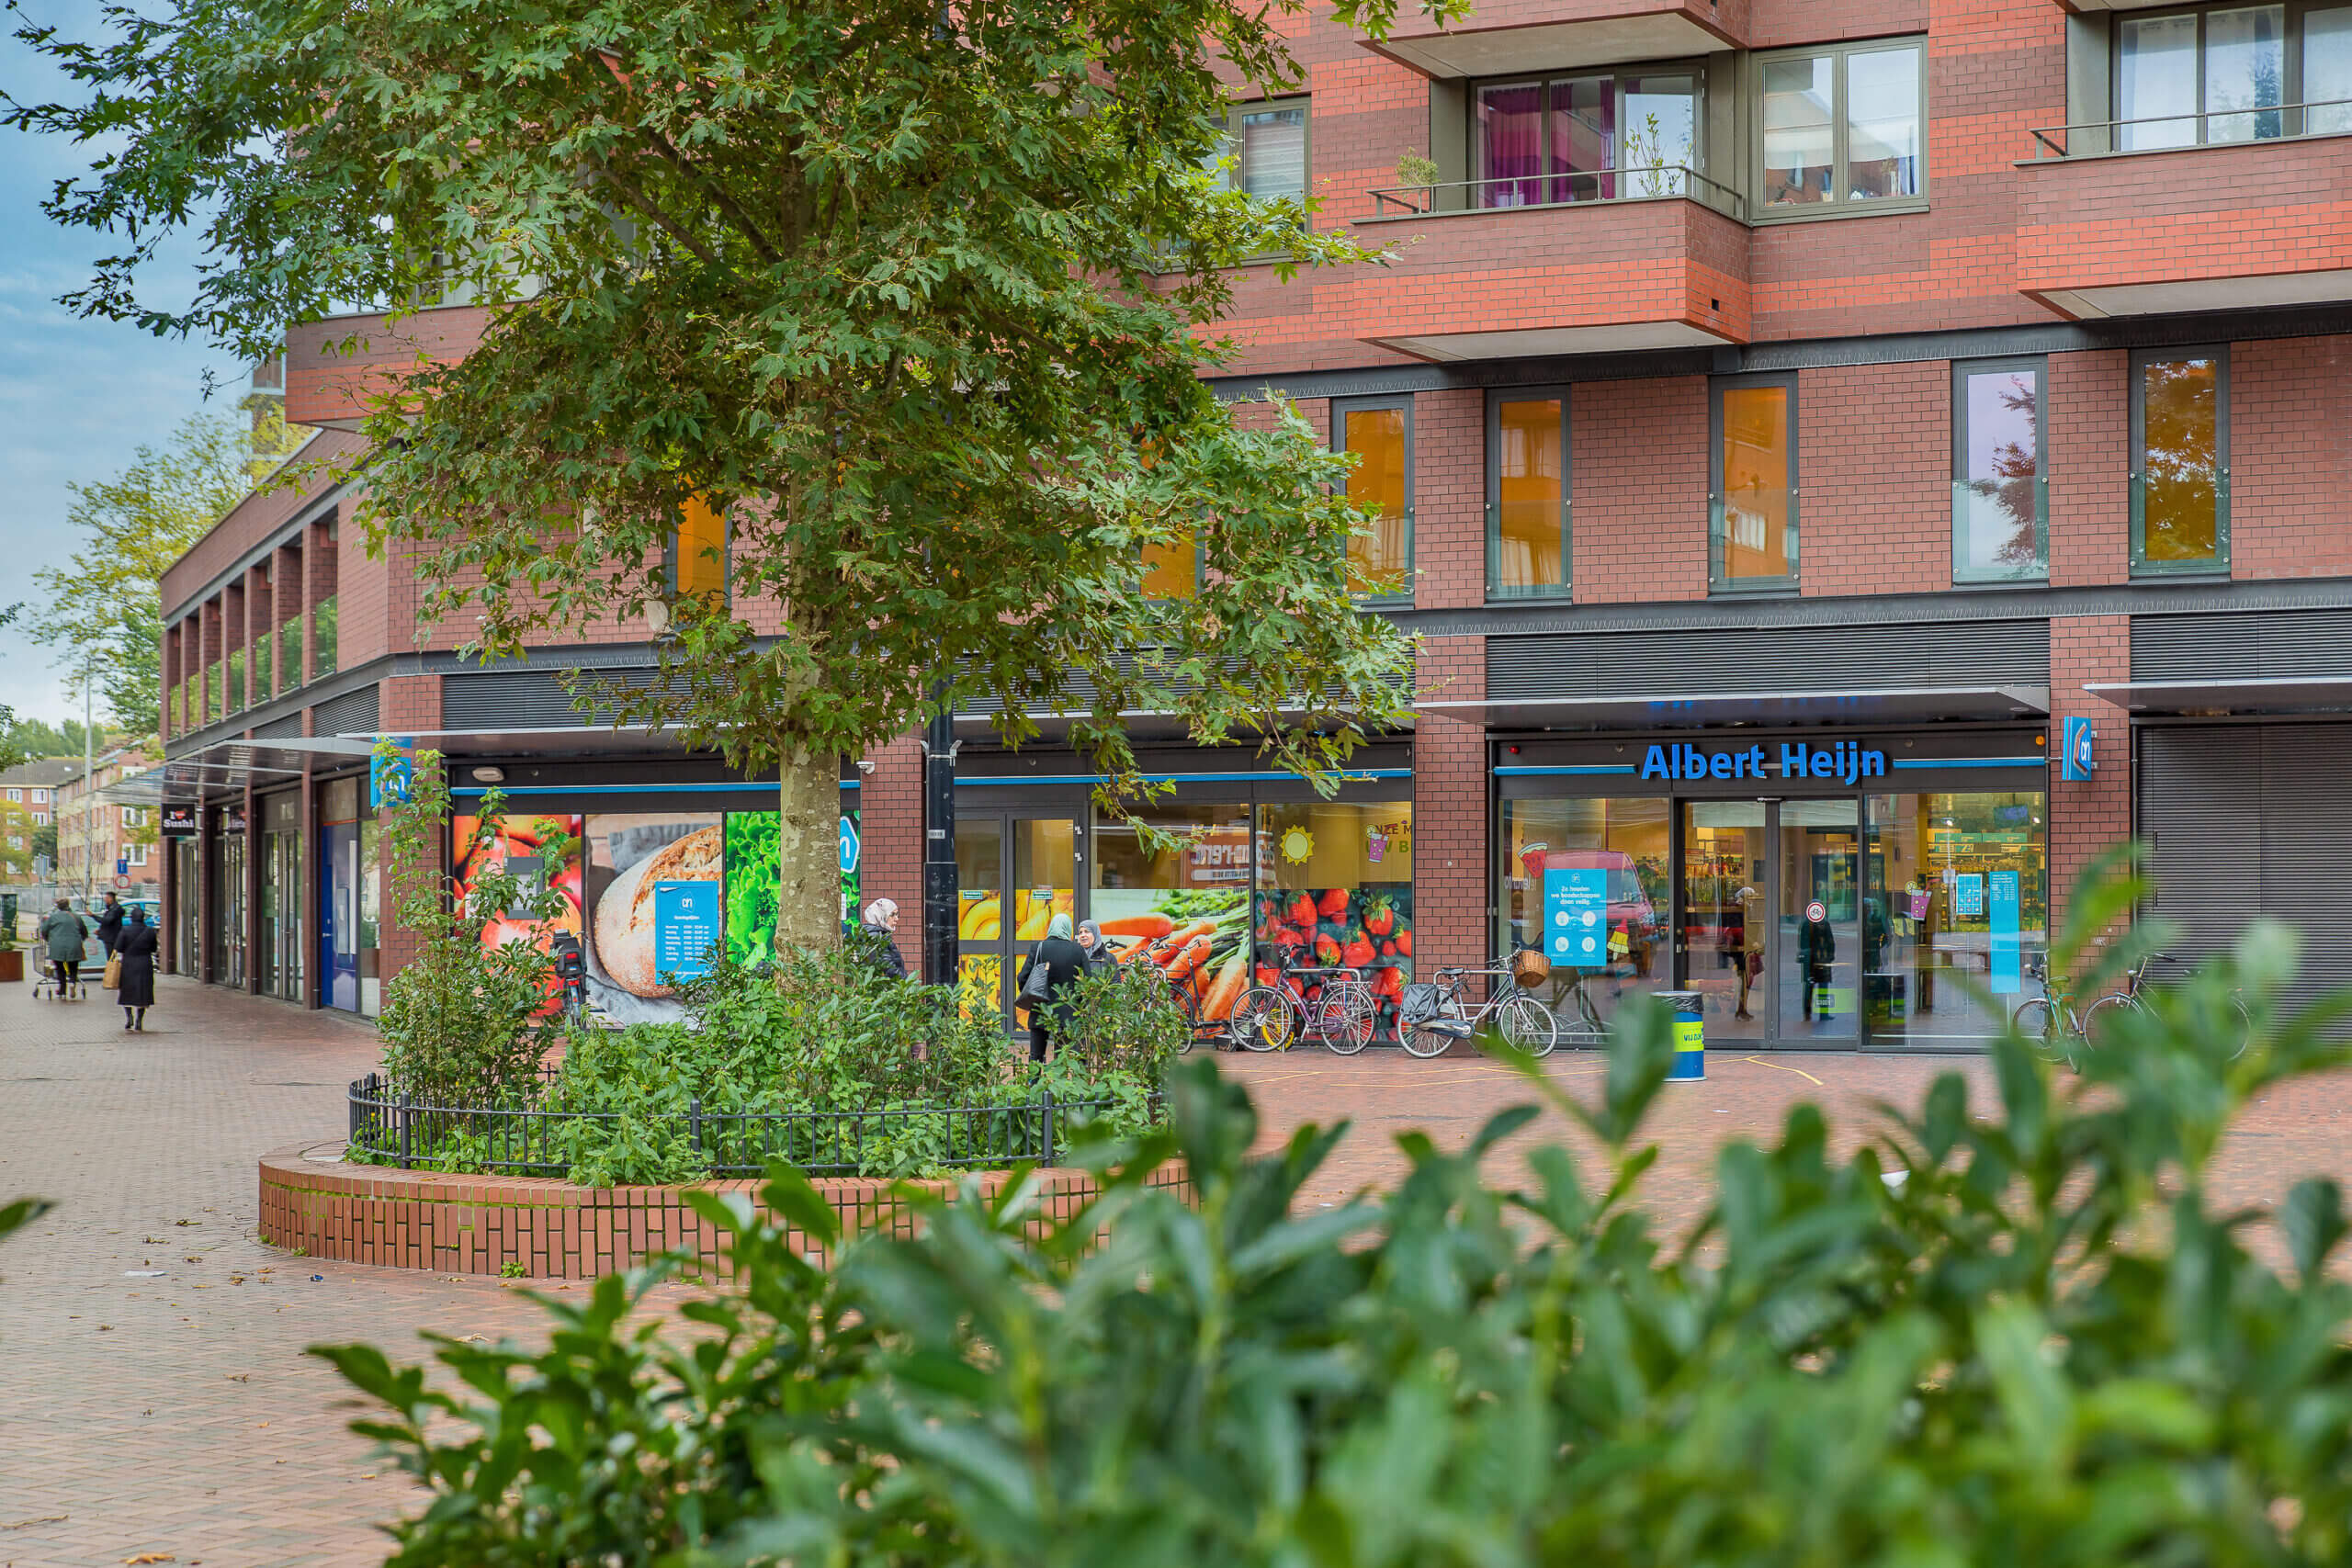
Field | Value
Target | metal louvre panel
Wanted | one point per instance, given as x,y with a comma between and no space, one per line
1765,660
353,712
519,699
2242,646
2252,820
291,725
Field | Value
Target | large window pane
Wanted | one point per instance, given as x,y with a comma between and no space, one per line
2156,77
699,552
1510,145
1997,493
1798,141
2179,479
1584,138
1335,884
322,636
289,657
1883,124
2327,70
1192,866
1660,133
1274,153
2246,68
1958,889
1378,562
1530,510
1171,571
1626,840
1755,534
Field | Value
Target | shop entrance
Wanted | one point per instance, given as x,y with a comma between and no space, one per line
1771,904
1013,874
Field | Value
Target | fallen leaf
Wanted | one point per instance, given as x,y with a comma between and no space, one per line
106,1328
187,1222
152,1557
240,1376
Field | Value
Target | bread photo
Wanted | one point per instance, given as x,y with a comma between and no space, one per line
625,914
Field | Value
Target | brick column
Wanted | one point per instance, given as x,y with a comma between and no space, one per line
1450,793
406,705
1450,500
2089,442
2086,816
206,869
889,815
168,889
313,872
168,661
207,655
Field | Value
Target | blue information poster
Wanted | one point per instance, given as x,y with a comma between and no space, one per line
1968,896
2007,961
685,927
1575,917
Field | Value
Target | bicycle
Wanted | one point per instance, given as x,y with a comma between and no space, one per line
1275,1018
1184,992
2052,1018
1436,1015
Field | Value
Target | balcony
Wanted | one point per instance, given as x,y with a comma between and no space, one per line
2219,210
1628,260
329,385
1503,37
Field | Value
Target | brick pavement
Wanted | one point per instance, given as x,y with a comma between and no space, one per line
176,1412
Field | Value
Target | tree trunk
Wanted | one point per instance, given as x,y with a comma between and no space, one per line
809,896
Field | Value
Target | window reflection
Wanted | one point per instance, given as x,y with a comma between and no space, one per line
1997,491
1378,560
2180,460
1531,496
1758,513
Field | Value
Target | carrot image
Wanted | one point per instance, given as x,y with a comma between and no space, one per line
1195,954
1227,987
1144,926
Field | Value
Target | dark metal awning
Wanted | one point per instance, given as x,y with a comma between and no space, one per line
2285,693
1908,706
226,767
569,741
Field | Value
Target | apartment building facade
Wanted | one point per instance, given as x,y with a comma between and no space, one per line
106,845
1849,463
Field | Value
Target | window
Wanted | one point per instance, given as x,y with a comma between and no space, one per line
289,657
1380,434
15,794
136,854
1606,136
2000,494
322,636
2232,74
699,552
1266,146
2181,469
1843,129
1527,495
1171,571
1753,533
40,797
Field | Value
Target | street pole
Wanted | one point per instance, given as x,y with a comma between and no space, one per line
939,878
89,806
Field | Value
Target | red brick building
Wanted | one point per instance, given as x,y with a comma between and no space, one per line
1789,417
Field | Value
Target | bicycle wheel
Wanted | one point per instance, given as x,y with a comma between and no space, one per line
2100,1018
1528,1025
1420,1040
1262,1019
2245,1024
1346,1017
2037,1020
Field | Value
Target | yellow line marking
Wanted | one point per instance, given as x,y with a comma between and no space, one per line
1777,1068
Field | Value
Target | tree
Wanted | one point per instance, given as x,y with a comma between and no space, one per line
105,608
915,298
21,841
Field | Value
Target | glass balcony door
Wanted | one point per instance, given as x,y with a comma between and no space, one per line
1544,141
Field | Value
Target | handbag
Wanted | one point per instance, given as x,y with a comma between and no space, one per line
1033,989
113,982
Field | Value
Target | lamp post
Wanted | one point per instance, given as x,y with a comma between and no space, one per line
89,762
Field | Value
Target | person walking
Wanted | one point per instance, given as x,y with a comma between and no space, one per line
136,948
62,934
111,923
882,923
1064,961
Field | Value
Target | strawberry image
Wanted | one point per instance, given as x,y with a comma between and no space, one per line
1302,912
1266,977
1405,944
1334,904
1379,916
1389,982
1327,951
1387,950
1356,951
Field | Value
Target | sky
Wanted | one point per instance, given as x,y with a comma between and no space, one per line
75,396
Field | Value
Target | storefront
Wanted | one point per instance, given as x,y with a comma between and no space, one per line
1272,874
226,842
282,895
1818,889
350,899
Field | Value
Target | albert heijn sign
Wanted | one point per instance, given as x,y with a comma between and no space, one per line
1841,762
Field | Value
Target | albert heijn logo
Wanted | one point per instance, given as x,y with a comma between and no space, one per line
1843,761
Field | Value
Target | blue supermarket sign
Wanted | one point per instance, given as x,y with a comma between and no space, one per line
1845,762
1575,917
685,928
2078,757
850,846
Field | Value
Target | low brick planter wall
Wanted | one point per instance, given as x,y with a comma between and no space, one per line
312,1202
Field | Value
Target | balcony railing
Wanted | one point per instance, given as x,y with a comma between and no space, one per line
1663,182
2205,128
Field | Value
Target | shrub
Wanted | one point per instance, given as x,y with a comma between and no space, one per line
2038,1345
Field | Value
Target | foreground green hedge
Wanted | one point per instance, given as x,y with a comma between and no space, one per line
2009,1333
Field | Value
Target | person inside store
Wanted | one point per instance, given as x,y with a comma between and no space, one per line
111,923
136,949
1751,899
1816,951
61,936
1063,961
882,929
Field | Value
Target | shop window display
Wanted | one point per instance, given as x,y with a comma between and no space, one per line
1176,892
1335,884
1958,886
1625,842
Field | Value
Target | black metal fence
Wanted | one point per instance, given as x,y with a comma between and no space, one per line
527,1137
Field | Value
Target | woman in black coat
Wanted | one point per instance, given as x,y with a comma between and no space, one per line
137,950
1065,961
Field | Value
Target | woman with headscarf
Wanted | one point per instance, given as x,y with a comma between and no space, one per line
882,923
136,948
1099,956
1064,961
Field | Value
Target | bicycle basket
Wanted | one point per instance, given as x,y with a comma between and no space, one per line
1420,1003
1530,968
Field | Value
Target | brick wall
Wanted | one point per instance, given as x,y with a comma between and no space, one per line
1874,465
408,704
2088,436
1449,499
890,804
1638,478
2086,816
1449,809
2291,457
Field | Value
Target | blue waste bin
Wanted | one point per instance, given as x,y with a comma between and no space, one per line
1689,1037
